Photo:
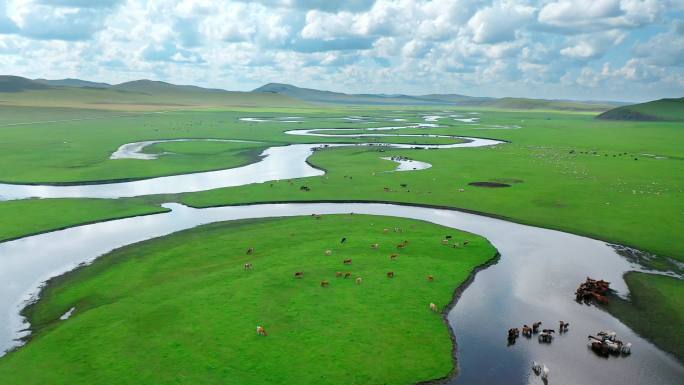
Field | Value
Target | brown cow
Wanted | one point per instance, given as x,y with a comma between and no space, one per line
430,278
325,283
347,261
338,274
299,274
390,274
535,326
401,246
563,326
347,275
393,257
261,331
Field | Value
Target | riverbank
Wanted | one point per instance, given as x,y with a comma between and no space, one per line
189,295
655,309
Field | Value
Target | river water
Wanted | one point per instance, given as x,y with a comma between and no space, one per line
534,280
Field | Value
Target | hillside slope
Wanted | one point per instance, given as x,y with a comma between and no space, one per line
663,109
139,95
328,97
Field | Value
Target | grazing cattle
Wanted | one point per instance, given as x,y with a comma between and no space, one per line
401,246
466,242
347,261
375,246
535,326
261,331
328,252
248,266
461,190
250,251
358,280
563,326
430,278
299,274
347,275
433,307
393,257
445,241
325,283
390,274
385,230
447,237
343,240
338,274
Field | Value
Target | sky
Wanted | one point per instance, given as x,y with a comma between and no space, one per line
626,50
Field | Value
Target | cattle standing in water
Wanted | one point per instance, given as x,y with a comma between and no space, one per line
250,251
546,335
299,274
347,261
535,326
527,331
563,326
513,333
390,274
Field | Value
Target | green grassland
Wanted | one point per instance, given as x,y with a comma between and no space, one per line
33,216
181,309
655,309
567,172
663,109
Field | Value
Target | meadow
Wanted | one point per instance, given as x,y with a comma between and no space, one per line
620,182
182,309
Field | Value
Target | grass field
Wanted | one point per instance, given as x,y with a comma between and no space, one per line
655,309
33,216
181,309
621,182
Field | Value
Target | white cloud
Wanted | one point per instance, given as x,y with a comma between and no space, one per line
500,22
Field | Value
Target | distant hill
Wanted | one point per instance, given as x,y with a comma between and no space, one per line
72,83
139,95
153,86
663,109
328,97
19,84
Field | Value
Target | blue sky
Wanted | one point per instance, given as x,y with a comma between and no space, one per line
629,50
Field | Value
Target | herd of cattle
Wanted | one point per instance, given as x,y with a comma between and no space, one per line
348,261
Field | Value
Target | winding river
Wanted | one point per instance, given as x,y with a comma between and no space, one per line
535,278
